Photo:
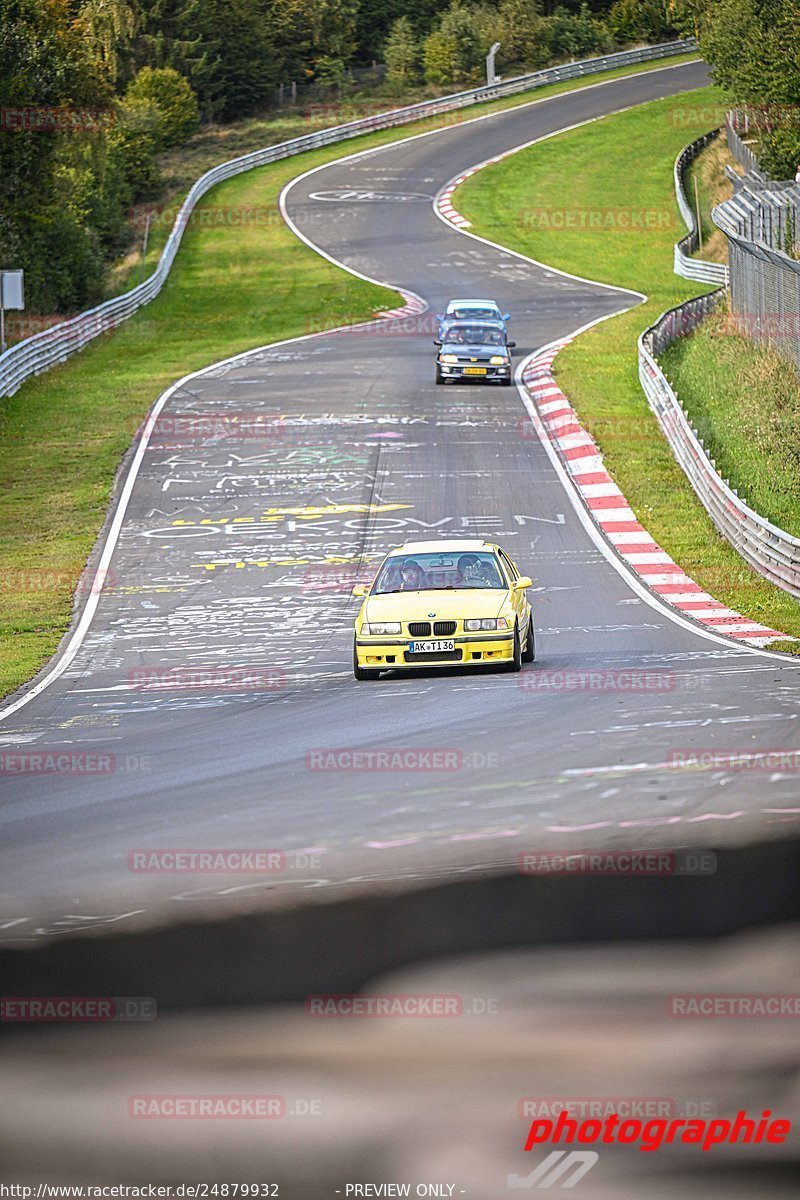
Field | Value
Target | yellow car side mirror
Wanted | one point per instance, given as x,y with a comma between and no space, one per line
361,589
524,581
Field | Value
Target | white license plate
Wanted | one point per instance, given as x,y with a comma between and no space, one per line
431,647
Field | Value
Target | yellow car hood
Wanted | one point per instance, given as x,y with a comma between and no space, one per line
446,605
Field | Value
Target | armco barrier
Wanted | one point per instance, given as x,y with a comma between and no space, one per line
42,350
684,265
771,551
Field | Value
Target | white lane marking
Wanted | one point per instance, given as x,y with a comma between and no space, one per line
547,354
373,151
112,537
596,534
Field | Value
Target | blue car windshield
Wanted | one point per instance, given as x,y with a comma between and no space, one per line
437,572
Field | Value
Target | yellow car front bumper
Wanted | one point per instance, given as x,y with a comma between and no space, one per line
391,654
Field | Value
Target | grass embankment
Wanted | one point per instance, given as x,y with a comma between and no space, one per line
713,186
62,435
233,286
604,174
214,144
219,143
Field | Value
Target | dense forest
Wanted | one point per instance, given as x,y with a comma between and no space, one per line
91,91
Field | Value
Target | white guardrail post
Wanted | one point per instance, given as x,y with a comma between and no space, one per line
698,269
56,344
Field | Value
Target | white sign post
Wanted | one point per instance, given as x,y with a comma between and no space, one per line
12,295
490,75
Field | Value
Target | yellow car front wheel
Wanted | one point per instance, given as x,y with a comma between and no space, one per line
529,653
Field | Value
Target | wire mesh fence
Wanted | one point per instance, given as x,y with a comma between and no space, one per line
761,223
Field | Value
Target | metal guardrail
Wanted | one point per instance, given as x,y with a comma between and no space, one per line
699,269
43,350
771,551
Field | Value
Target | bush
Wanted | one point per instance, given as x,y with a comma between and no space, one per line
524,35
646,20
62,263
132,147
453,53
174,98
330,72
402,55
574,35
779,152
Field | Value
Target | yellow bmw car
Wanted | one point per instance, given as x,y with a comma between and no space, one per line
438,604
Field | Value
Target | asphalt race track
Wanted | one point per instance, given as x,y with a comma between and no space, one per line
227,559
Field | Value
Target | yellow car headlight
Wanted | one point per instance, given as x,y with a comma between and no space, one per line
373,629
497,360
449,358
486,623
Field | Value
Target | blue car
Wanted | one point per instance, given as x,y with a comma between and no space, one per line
471,310
474,350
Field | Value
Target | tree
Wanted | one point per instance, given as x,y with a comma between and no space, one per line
169,35
292,36
374,21
453,53
46,71
685,16
333,25
645,20
753,47
402,54
108,27
243,67
573,35
523,34
172,96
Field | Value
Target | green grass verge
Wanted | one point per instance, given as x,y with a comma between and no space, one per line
569,201
182,165
232,287
745,402
707,172
62,435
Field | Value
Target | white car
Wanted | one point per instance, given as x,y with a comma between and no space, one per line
471,310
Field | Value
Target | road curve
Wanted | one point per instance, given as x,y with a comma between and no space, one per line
225,560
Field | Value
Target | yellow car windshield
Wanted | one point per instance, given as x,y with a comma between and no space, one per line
437,572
